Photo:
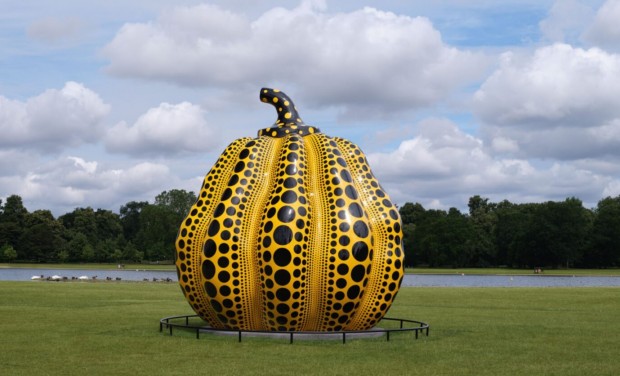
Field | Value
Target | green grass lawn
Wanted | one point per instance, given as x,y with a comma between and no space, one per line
112,329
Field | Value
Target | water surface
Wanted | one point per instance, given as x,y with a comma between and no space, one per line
410,280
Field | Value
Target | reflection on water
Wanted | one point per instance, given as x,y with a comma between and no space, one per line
419,280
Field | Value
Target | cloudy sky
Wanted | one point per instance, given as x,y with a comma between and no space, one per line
106,102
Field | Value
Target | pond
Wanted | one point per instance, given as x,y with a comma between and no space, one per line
26,274
419,280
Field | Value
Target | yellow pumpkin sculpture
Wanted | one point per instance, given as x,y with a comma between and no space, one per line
291,232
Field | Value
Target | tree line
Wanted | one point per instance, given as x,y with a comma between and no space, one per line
549,234
141,231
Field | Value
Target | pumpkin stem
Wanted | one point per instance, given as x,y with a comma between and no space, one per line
287,113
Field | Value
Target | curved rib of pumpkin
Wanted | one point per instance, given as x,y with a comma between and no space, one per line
317,241
191,237
387,267
283,241
229,261
347,248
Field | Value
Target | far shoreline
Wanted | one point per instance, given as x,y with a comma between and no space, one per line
426,270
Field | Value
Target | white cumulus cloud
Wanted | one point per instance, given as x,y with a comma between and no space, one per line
442,167
166,129
53,120
68,182
605,30
362,59
555,102
566,20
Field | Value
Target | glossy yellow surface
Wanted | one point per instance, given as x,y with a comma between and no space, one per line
291,232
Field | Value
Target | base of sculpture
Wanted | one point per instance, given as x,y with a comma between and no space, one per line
199,327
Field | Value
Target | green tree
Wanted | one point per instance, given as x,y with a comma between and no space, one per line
457,234
158,230
88,253
130,218
159,223
512,233
12,217
63,255
76,245
557,232
14,210
131,253
82,220
605,245
410,214
483,220
8,253
42,237
427,242
178,201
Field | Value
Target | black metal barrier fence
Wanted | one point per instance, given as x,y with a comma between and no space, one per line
182,322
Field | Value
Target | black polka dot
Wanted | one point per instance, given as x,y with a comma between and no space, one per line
360,229
282,257
208,269
244,153
291,169
224,290
268,226
271,212
300,224
358,273
286,214
240,166
283,294
222,262
226,194
283,309
216,305
214,228
219,210
282,277
356,210
292,157
223,276
266,241
282,235
344,174
360,251
290,183
210,289
289,197
233,180
351,192
353,292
